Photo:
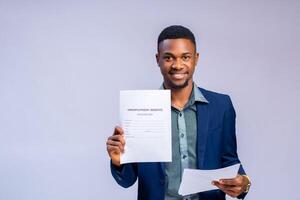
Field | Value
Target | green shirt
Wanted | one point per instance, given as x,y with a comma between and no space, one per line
184,138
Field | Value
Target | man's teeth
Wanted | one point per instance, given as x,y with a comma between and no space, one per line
178,75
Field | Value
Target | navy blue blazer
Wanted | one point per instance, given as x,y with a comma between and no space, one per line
216,148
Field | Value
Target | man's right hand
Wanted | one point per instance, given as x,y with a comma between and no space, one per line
115,145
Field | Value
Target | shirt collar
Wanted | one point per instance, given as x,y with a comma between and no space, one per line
198,94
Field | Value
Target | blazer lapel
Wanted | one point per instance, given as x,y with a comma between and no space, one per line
202,131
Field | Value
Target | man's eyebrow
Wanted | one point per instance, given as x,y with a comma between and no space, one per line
168,53
187,53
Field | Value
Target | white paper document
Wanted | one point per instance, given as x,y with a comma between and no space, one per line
145,117
195,180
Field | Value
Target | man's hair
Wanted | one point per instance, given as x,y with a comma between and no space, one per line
176,32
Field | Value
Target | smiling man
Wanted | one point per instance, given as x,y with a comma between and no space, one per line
203,130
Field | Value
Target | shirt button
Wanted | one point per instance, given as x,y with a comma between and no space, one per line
182,135
180,114
184,156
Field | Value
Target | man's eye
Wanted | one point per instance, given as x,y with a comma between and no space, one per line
167,58
186,58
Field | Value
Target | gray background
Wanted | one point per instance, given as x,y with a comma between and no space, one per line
62,64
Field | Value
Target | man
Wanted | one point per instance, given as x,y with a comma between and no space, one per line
203,130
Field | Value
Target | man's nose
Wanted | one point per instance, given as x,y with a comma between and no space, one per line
177,64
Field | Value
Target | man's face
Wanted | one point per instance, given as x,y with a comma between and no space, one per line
177,59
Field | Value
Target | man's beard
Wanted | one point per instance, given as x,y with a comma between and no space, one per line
177,86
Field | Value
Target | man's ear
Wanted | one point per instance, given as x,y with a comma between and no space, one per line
197,56
157,58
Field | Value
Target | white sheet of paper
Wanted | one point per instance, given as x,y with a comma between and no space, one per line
195,180
145,117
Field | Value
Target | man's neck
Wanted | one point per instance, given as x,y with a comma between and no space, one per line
180,97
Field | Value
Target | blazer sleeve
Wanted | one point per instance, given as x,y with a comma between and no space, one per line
125,175
229,151
230,156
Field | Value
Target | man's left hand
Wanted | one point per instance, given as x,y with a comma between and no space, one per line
234,186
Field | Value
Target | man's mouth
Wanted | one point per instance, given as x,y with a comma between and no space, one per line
178,75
